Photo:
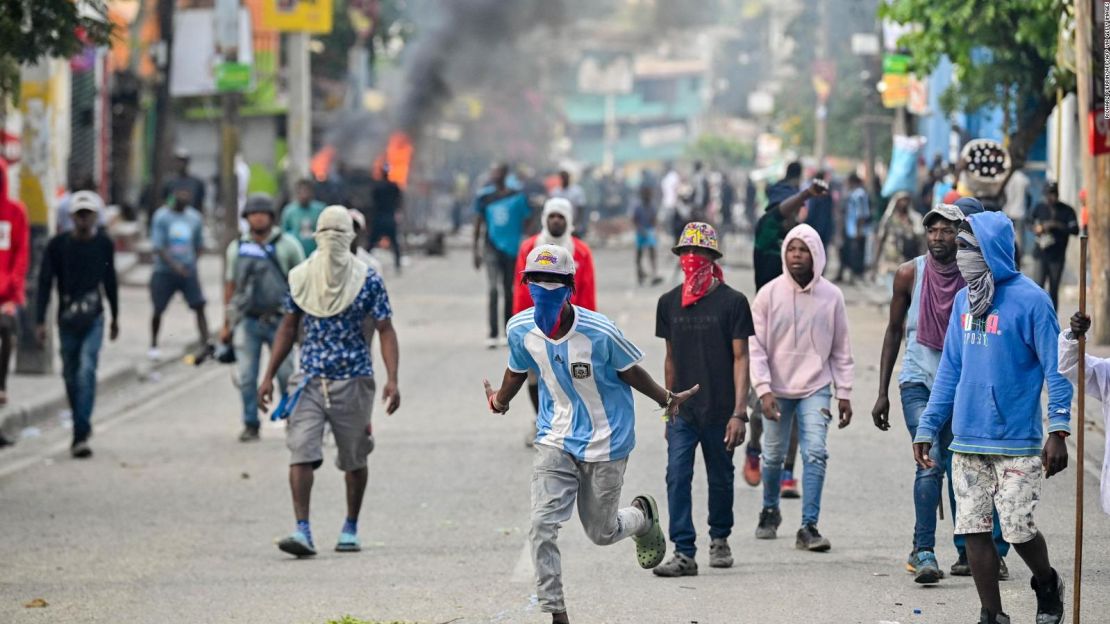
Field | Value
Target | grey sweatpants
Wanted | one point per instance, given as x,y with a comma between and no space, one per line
558,480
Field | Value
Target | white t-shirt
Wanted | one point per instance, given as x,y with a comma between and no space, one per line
1016,189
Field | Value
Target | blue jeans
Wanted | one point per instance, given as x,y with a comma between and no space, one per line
813,428
683,437
80,353
250,334
927,482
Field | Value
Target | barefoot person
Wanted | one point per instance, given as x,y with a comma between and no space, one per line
800,353
706,326
332,294
587,371
999,350
924,292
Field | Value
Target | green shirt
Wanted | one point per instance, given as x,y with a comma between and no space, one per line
287,251
299,221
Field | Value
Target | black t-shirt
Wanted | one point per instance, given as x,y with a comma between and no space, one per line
701,344
770,231
78,267
1057,240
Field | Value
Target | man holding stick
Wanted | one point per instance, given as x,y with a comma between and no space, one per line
999,350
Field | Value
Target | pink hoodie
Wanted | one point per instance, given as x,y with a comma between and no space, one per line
801,334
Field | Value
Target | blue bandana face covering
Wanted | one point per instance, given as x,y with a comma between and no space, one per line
548,299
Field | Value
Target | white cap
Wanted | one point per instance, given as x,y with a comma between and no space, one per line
551,259
86,200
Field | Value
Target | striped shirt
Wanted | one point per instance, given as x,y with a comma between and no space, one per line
585,409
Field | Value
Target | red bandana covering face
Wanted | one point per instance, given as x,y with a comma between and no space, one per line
700,272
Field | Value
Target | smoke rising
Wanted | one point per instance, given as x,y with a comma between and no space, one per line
465,44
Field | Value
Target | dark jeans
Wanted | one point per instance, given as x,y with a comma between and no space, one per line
500,269
80,353
683,437
927,482
249,336
1049,271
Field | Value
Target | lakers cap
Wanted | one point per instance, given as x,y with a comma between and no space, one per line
551,259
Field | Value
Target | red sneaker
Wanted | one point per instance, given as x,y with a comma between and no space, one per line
789,488
752,474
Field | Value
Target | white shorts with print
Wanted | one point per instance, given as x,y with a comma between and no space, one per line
983,483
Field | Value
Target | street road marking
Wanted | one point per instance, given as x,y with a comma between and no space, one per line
142,408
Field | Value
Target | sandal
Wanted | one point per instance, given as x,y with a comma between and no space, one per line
651,547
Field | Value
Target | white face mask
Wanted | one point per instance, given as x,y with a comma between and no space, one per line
550,285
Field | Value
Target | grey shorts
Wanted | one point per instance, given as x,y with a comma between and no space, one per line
983,483
163,286
346,404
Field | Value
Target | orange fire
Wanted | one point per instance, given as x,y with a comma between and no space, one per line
398,153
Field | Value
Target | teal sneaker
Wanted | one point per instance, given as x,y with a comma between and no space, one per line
298,545
926,570
348,542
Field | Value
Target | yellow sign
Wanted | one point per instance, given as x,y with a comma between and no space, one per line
896,90
311,16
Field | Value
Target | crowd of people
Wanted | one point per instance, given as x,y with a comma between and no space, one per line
981,341
970,392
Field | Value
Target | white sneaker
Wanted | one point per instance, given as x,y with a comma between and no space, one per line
491,343
154,354
504,342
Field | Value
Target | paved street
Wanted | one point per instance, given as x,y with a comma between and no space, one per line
174,519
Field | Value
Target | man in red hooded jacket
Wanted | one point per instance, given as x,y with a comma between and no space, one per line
558,223
14,257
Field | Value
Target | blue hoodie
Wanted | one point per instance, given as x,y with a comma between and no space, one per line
994,367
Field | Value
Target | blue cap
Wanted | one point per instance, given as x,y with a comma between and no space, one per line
970,206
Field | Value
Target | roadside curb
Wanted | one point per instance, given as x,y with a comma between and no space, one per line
14,418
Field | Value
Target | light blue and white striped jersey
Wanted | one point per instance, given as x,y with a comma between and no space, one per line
585,409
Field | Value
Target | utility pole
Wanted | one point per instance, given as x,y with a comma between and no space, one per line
227,28
163,128
300,108
1095,175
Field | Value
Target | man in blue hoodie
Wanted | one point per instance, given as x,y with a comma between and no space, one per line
999,350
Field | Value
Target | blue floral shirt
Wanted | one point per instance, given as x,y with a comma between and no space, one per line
334,347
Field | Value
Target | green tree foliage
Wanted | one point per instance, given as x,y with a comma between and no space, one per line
1004,53
33,29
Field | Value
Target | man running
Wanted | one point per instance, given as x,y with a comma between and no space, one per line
586,422
82,264
801,351
999,350
502,215
706,326
255,287
332,294
924,292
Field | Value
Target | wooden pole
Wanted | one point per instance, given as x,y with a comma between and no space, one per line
1082,404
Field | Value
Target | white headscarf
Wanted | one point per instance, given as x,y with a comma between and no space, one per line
563,208
327,283
980,281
